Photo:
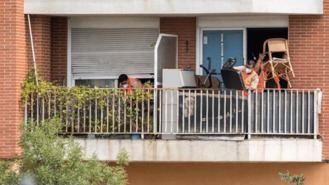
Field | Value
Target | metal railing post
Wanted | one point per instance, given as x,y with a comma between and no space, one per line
316,112
155,107
249,115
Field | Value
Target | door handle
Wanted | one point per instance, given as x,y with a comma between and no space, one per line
209,63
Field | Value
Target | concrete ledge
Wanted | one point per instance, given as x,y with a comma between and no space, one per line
167,7
254,150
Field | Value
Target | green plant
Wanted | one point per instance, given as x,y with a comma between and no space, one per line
94,105
53,160
292,179
8,175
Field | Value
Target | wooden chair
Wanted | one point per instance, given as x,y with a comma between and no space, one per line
278,68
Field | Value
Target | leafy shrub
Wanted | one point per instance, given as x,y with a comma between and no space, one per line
7,174
292,179
53,160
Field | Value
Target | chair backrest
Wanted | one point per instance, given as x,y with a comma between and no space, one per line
276,45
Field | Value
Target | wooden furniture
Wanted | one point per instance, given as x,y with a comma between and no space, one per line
278,67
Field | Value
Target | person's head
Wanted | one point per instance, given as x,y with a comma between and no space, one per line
123,81
250,66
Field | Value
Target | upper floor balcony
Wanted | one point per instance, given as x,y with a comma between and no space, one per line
172,7
177,124
186,124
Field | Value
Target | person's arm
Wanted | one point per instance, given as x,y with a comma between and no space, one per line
259,64
136,83
239,68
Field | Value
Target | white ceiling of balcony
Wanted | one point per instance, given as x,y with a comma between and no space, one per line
172,7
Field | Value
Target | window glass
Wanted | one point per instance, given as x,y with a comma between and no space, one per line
101,83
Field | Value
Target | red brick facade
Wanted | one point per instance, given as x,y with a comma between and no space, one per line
185,28
42,40
309,49
15,61
50,42
13,68
59,50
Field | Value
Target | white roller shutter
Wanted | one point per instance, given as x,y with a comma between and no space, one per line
109,52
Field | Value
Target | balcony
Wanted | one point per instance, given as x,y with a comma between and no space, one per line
167,124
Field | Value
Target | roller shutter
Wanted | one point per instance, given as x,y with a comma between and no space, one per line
110,52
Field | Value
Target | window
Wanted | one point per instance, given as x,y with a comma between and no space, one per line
101,83
105,53
110,83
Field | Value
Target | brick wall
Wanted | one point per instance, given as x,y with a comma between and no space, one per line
15,61
59,50
50,43
185,28
41,37
13,68
309,49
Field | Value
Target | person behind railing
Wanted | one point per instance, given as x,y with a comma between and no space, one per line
128,82
259,69
249,76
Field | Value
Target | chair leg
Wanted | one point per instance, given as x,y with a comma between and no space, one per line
277,81
291,69
275,77
288,79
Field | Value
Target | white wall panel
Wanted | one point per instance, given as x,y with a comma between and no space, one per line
172,7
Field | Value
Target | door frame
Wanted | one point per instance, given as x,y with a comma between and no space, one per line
199,44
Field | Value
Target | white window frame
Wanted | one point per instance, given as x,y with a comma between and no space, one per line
97,78
115,78
156,55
